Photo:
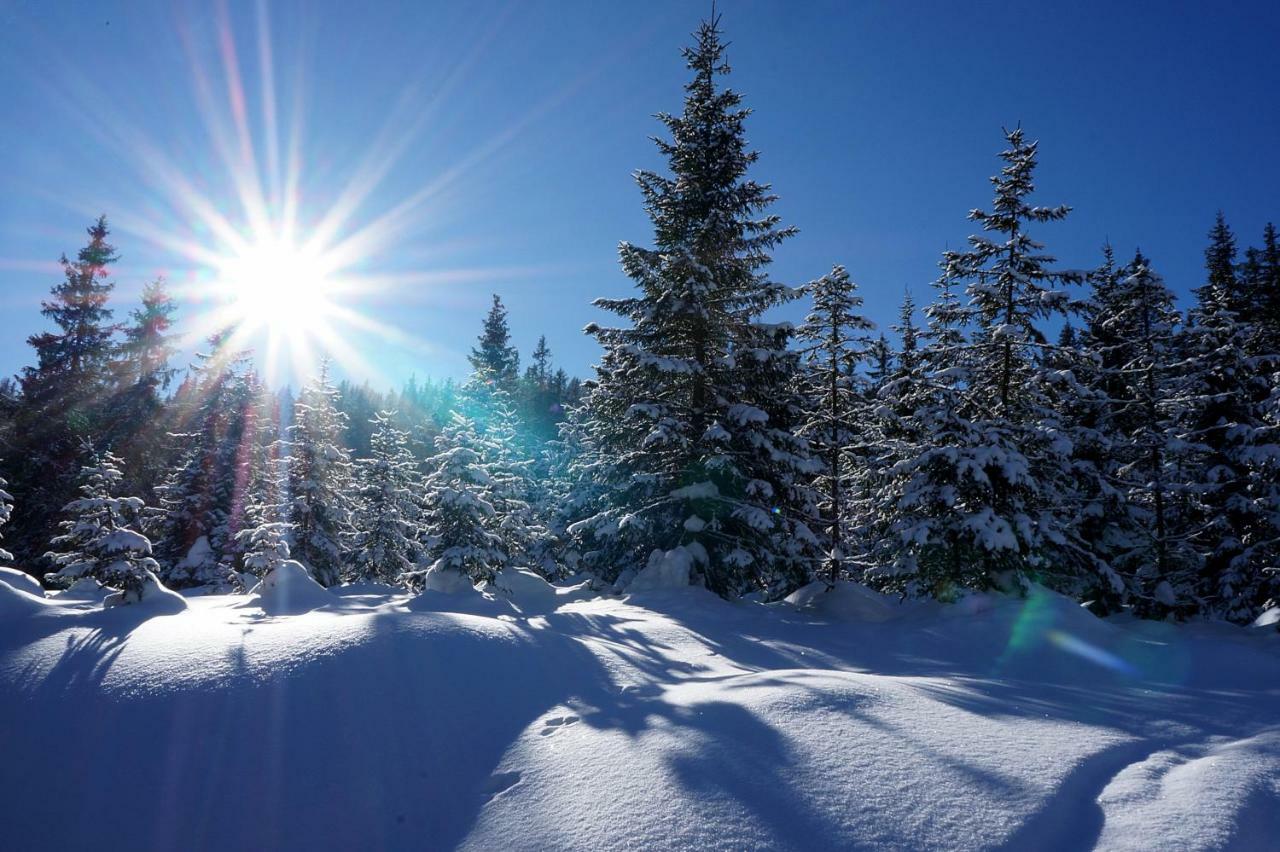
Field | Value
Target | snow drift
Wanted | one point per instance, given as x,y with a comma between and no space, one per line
375,721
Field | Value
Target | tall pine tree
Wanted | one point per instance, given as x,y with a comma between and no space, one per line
691,420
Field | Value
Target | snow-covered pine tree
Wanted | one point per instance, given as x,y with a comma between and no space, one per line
1229,418
264,539
931,523
6,511
833,341
683,420
386,534
1025,464
879,364
1264,297
319,481
1093,507
1132,332
202,499
909,352
135,416
61,401
100,537
460,516
494,356
510,462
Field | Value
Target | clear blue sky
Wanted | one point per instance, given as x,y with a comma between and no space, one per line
513,128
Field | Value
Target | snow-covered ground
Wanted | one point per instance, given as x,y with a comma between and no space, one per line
555,719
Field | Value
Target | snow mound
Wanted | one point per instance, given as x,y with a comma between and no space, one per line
154,598
446,581
1270,618
16,603
22,581
288,589
845,601
446,590
669,569
84,589
528,591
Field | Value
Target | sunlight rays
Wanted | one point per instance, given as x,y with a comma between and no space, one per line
261,245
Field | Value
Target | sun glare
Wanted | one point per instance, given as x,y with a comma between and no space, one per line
277,286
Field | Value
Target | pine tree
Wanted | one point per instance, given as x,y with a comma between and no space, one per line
135,417
386,535
909,354
459,508
1133,327
691,418
1229,420
1262,293
539,372
203,498
72,363
494,356
61,402
931,524
6,511
879,364
834,341
319,481
1027,455
100,536
264,538
1222,284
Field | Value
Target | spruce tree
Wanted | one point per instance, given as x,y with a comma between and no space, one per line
100,537
691,419
833,340
264,537
203,497
62,396
386,536
136,418
879,364
460,514
1012,288
6,511
1229,420
319,481
1262,286
1133,330
494,356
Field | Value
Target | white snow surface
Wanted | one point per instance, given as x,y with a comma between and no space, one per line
22,581
288,589
667,569
668,720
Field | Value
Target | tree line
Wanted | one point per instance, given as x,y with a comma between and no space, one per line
1031,424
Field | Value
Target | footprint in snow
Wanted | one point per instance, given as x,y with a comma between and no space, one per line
555,723
499,783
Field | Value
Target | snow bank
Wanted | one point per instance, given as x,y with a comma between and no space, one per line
154,598
670,569
22,581
1270,618
19,603
84,589
1002,722
526,590
446,590
846,602
288,589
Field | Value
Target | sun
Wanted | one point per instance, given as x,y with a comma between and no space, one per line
280,299
277,286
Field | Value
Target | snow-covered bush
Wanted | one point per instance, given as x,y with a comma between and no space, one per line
100,539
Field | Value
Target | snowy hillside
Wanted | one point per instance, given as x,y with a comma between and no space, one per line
536,718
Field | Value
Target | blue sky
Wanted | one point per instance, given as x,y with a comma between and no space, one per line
503,137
